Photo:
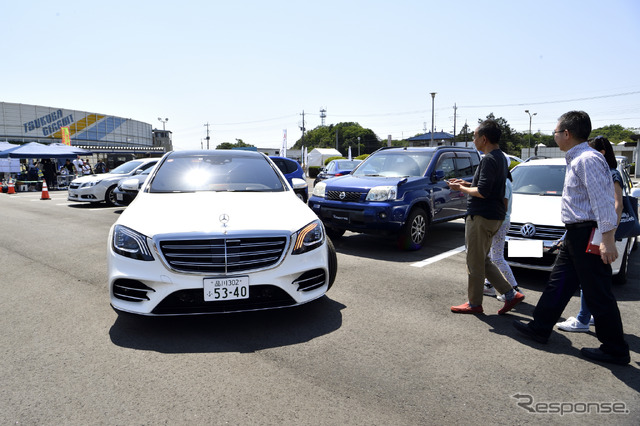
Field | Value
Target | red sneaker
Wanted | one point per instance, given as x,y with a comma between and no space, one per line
509,304
467,309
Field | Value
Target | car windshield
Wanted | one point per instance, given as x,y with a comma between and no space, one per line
395,164
218,171
346,165
125,168
540,180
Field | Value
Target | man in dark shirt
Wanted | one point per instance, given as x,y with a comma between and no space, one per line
486,210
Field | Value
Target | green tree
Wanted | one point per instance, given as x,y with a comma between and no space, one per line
239,144
614,132
347,134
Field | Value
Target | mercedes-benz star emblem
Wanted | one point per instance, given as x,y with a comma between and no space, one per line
224,219
528,230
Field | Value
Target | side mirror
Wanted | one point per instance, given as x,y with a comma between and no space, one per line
298,183
129,185
437,176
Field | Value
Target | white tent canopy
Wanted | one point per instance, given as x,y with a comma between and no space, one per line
318,155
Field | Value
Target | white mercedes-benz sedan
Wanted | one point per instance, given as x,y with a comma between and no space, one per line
217,231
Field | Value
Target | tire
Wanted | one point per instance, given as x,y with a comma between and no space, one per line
621,277
414,232
334,233
110,197
333,262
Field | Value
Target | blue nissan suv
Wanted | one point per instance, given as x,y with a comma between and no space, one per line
398,192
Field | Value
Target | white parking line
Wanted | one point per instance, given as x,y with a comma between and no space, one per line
438,257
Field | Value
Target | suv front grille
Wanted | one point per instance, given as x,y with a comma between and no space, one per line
348,196
223,255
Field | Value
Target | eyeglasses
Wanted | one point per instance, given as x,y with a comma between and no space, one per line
557,131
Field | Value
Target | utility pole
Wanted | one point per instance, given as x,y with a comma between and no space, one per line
303,129
433,97
207,125
455,112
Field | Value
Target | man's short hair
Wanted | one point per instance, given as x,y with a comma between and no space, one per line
576,122
491,130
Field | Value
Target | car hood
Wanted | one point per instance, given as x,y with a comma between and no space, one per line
201,212
364,182
101,177
536,209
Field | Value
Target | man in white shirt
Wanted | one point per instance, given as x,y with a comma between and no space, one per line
587,204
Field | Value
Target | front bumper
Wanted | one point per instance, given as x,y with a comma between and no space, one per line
151,288
92,194
372,217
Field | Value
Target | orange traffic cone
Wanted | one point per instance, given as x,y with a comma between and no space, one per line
45,191
11,188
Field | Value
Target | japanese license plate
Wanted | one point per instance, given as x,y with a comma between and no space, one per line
227,288
119,197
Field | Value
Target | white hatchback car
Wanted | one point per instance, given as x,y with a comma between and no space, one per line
217,231
100,187
535,216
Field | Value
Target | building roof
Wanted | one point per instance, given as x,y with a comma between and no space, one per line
436,136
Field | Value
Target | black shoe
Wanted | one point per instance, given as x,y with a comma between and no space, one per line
597,355
526,331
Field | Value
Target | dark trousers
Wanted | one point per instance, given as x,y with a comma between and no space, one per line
574,269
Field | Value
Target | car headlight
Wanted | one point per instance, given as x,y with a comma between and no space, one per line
90,184
308,238
129,243
320,189
382,193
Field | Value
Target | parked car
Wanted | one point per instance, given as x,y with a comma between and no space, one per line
294,174
336,168
127,188
535,216
217,231
398,192
99,188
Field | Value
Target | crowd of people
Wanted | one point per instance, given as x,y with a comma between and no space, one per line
591,199
46,169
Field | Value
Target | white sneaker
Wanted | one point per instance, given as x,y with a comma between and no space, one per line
572,324
489,290
502,298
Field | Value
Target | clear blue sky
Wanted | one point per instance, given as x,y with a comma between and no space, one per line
249,68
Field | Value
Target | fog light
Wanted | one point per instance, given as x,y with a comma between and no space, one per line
383,215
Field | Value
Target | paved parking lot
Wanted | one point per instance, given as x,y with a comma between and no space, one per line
381,348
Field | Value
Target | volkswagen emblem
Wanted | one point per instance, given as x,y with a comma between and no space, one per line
342,195
528,230
224,219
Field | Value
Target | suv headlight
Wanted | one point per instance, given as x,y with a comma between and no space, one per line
320,189
308,238
382,193
129,243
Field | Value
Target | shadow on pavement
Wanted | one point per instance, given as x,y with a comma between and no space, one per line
240,332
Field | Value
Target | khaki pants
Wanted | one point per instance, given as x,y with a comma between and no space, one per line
478,233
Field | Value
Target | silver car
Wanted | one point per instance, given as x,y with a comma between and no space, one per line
99,188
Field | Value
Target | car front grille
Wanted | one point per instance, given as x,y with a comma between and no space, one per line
535,232
343,196
223,255
74,186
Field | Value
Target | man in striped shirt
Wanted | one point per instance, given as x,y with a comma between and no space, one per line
587,203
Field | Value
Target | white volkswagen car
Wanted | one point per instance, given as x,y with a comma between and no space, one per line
217,231
535,216
100,187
